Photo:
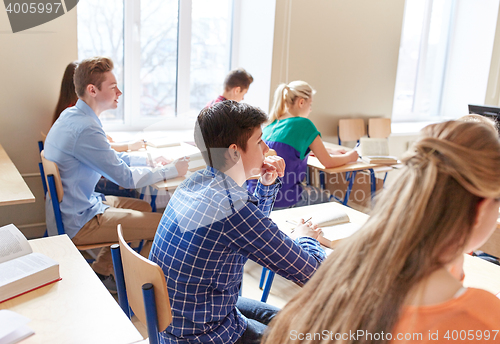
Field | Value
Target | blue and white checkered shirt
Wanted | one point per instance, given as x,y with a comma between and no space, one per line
210,228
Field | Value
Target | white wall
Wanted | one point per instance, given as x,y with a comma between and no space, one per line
32,63
347,50
493,89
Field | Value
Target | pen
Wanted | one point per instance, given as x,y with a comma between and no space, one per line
306,221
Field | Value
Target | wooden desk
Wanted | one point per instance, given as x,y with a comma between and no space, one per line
481,274
77,309
280,216
13,189
478,272
492,246
350,169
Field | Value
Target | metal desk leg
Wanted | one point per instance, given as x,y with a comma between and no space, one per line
373,182
351,178
267,288
322,178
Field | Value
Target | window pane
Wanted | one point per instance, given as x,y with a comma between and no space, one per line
100,33
158,57
210,50
409,52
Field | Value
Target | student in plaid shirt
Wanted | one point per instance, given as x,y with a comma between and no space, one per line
212,225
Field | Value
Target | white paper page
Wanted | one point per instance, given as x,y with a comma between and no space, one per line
369,146
327,218
339,232
176,152
13,327
17,335
23,266
13,243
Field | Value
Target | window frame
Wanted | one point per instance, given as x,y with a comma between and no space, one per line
132,121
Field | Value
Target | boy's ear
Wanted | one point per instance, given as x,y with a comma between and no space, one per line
234,155
237,90
91,90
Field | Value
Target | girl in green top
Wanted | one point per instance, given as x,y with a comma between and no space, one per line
292,135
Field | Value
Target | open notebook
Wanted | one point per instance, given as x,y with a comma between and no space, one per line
335,225
375,151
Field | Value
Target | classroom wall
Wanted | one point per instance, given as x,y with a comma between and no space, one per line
493,88
347,50
32,63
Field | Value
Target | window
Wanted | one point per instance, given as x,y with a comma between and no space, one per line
444,58
171,56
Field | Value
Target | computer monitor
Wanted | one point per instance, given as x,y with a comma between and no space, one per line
485,110
489,111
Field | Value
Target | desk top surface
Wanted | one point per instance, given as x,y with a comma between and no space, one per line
77,309
13,189
478,272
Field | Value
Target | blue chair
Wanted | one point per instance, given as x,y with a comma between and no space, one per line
141,288
42,173
56,192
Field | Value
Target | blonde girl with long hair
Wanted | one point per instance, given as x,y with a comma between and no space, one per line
390,281
292,135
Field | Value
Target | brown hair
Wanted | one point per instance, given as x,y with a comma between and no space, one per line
285,95
67,94
238,78
91,72
421,223
223,124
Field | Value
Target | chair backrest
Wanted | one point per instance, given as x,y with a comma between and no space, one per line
49,168
351,129
139,271
379,128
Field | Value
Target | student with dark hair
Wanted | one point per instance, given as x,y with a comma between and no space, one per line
212,225
236,85
393,276
78,145
67,95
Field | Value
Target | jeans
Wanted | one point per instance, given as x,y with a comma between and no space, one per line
259,314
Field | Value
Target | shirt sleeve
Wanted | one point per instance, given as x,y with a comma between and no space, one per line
250,233
133,160
93,149
266,194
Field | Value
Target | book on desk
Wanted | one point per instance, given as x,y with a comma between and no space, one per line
335,226
376,151
21,269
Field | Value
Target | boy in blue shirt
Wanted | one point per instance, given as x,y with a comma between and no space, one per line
212,225
78,145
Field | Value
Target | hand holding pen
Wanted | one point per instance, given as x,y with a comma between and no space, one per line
306,229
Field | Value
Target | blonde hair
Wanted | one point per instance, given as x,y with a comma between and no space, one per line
285,95
421,223
479,119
